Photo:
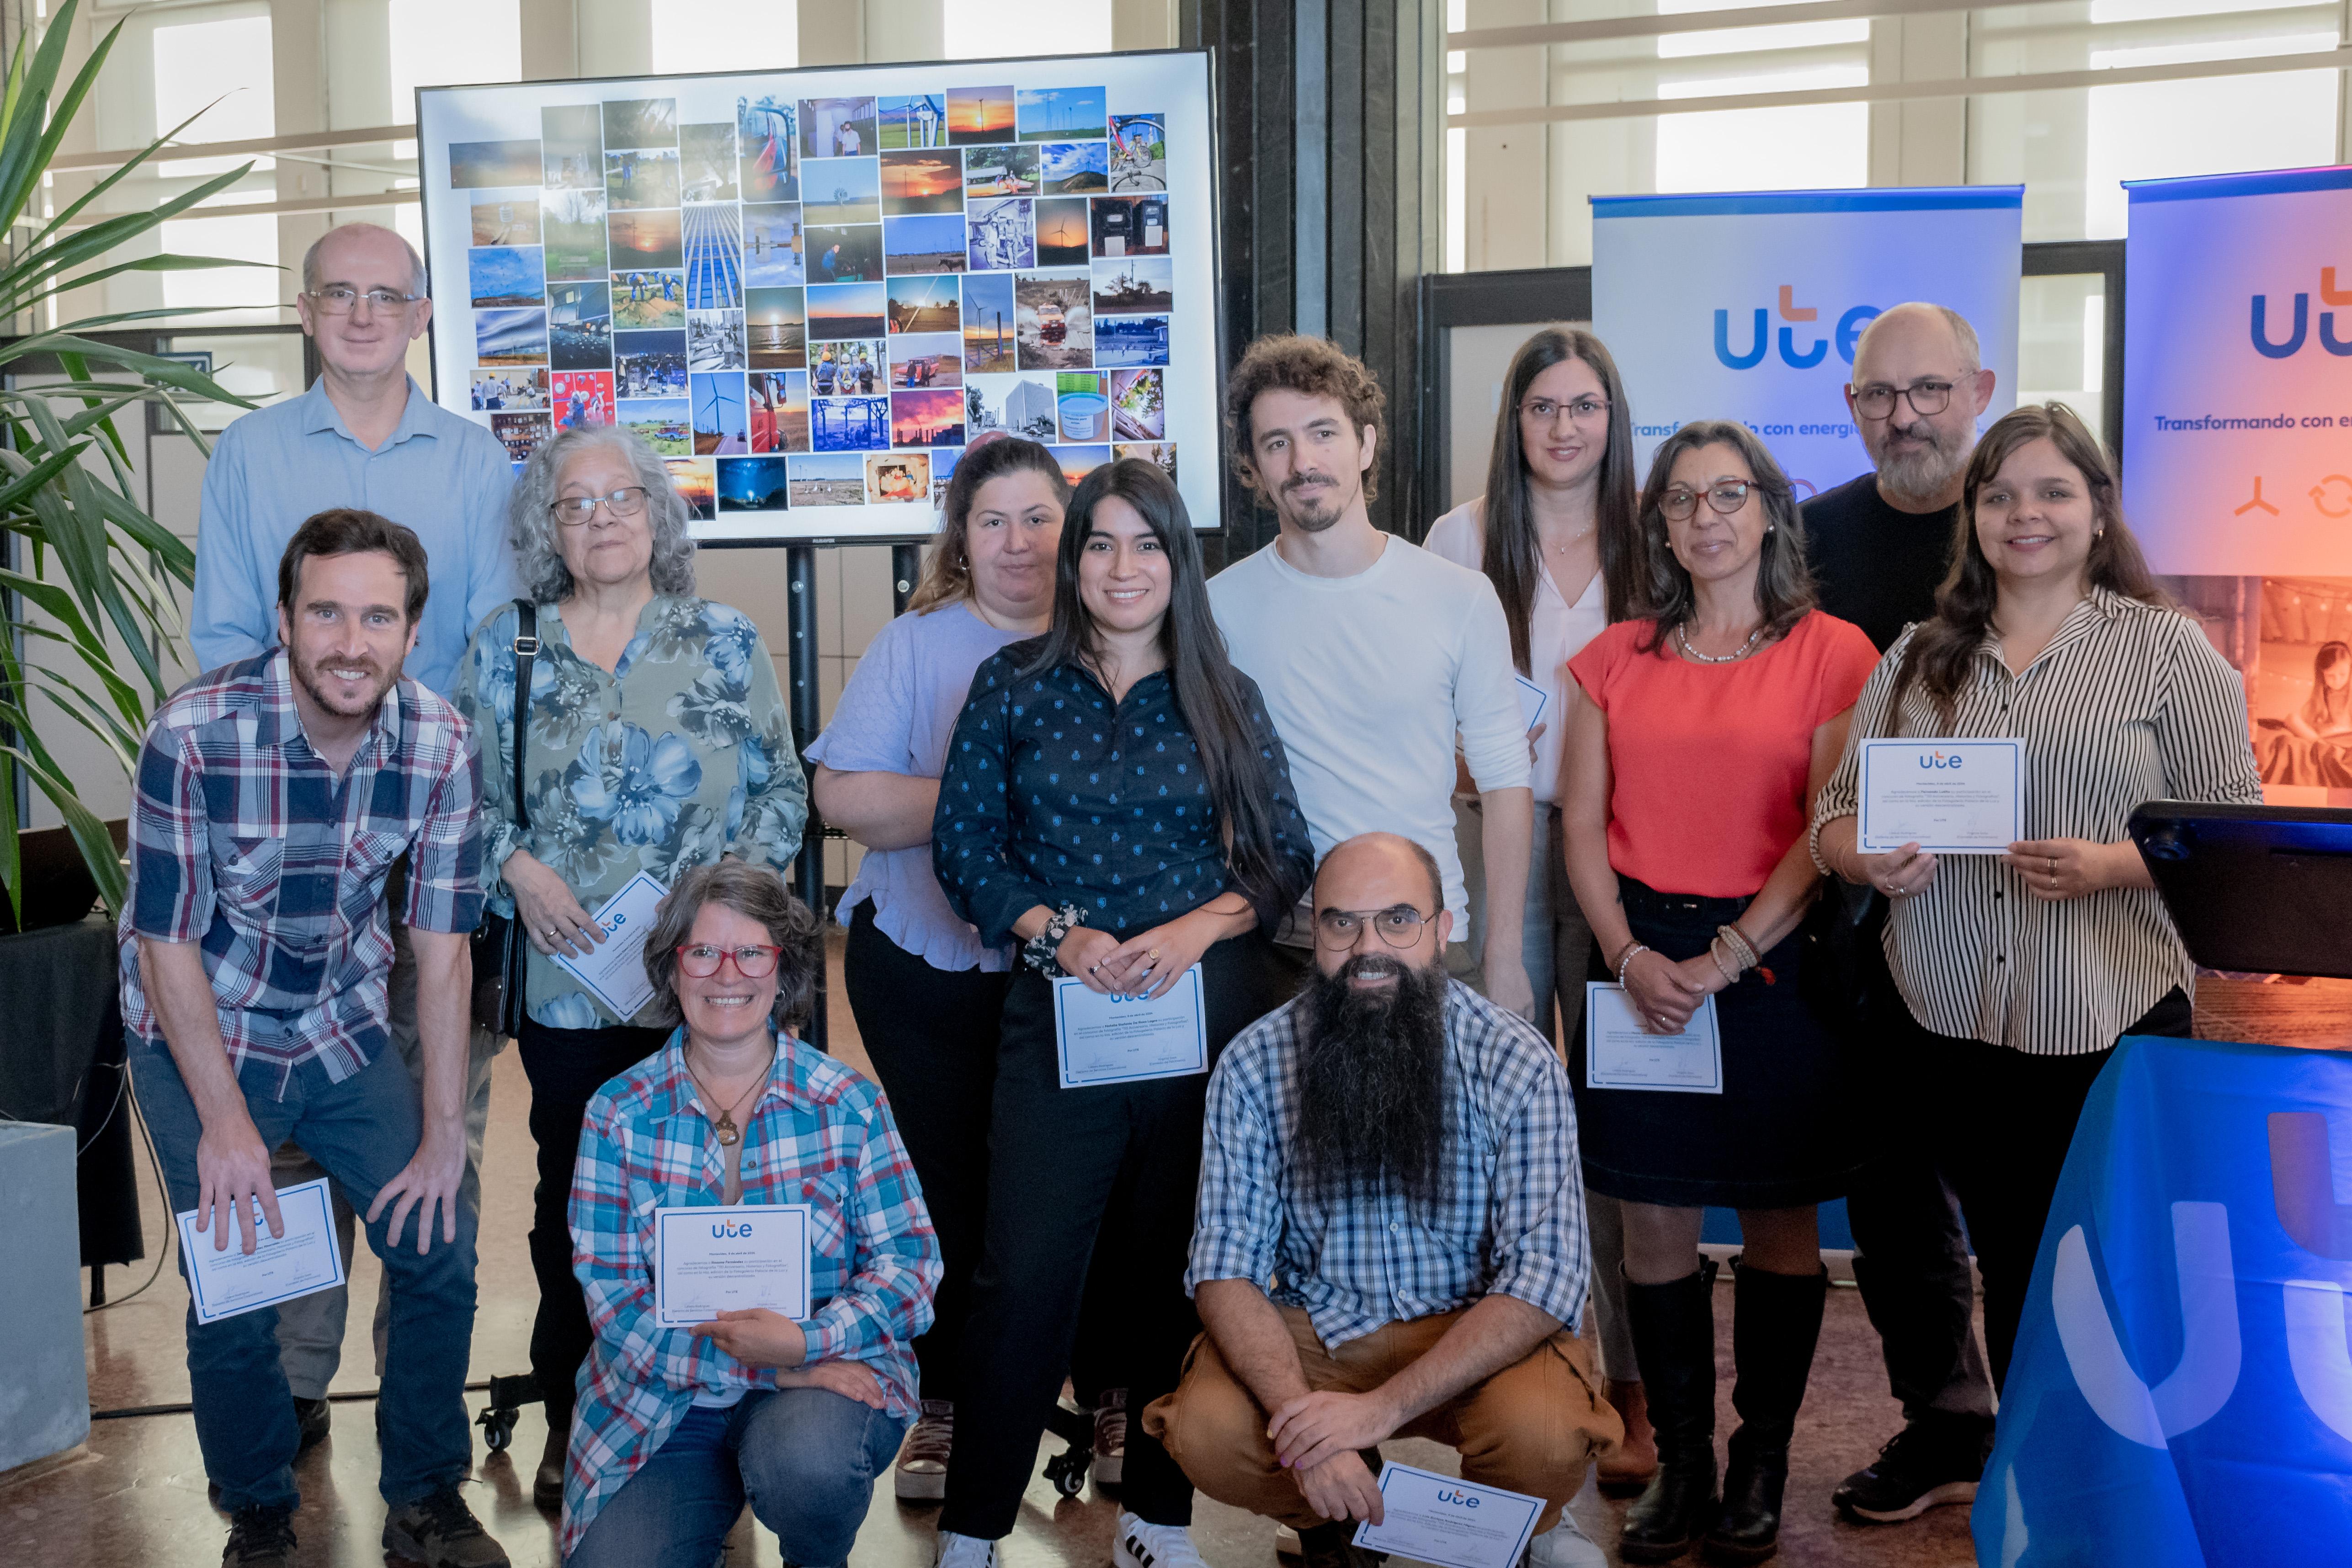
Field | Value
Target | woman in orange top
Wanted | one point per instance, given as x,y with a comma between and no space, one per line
1696,742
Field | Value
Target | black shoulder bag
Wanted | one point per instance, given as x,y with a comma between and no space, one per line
500,950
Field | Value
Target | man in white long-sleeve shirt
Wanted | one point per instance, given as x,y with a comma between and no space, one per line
1374,654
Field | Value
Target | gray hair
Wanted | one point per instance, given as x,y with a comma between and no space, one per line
532,524
1964,337
758,894
310,257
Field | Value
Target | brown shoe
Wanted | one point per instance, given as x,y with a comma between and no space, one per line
1628,1470
547,1486
439,1530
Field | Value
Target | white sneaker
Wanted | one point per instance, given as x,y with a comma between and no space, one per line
1286,1542
1141,1545
1565,1545
922,1469
964,1552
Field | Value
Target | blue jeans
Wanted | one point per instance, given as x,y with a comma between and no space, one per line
363,1131
806,1457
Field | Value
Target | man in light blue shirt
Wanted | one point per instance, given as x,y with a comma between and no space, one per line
365,436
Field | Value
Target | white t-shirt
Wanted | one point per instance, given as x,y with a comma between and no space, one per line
1369,679
1557,629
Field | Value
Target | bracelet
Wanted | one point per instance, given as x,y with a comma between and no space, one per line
1040,951
1741,948
1625,961
1730,973
1813,848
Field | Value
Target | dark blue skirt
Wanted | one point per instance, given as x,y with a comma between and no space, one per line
1781,1134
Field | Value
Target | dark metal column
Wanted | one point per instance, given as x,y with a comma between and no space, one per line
808,877
906,570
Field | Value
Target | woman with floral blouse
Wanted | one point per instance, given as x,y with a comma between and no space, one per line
657,740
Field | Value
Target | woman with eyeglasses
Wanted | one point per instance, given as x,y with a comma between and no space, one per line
680,1427
1115,802
1558,534
654,740
1698,737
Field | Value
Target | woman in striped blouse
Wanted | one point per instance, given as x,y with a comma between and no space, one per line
2021,971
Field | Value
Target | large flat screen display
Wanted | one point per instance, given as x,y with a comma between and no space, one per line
809,290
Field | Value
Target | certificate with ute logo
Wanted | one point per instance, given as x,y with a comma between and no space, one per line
1438,1519
302,1261
1124,1040
713,1258
1949,797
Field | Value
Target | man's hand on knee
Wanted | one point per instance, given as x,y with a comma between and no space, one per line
1314,1427
1341,1488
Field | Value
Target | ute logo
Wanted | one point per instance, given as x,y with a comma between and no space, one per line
724,1230
2293,343
1939,760
1847,334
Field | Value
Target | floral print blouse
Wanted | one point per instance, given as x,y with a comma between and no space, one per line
682,754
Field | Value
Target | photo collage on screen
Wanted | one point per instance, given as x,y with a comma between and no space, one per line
820,302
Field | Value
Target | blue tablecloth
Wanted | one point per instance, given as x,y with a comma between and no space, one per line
2181,1393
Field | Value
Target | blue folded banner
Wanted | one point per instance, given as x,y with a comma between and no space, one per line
2181,1392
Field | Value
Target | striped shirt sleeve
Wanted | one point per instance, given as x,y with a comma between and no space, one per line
2200,725
1541,1254
1238,1224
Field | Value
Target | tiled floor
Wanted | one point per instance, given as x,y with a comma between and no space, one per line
136,1494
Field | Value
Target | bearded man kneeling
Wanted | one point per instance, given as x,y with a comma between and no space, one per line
1397,1156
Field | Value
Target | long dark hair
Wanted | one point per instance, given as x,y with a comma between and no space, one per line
1512,551
1784,583
1208,688
1942,649
947,575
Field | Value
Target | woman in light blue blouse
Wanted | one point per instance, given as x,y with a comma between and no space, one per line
655,739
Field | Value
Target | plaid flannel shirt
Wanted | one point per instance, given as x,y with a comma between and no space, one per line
244,840
1509,1219
818,1135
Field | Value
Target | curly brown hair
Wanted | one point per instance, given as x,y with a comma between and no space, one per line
1288,362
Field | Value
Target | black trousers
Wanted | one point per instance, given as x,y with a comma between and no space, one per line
2003,1122
566,1067
1056,1156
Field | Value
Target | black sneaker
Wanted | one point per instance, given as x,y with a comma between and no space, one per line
1931,1462
259,1537
1334,1545
439,1530
313,1419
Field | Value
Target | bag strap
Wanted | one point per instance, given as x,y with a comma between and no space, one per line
525,649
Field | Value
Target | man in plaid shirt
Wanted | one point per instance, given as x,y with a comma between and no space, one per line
1391,1238
272,798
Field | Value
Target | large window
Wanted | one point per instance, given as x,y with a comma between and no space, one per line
759,35
225,59
981,29
1807,147
425,51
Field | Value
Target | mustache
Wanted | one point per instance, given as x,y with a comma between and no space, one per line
1299,481
1370,966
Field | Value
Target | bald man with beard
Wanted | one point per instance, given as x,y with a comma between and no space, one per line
1398,1155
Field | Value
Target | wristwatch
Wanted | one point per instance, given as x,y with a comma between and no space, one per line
1039,952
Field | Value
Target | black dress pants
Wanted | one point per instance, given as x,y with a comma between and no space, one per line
565,1067
2004,1121
1055,1155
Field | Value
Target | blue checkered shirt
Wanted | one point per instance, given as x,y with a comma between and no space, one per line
243,840
1508,1221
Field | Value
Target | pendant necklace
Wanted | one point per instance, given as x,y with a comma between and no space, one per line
724,1128
1682,640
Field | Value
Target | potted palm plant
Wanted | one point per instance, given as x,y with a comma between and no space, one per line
90,590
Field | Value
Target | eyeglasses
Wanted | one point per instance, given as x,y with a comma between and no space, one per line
1398,925
340,298
1728,498
1876,401
1585,410
573,511
701,960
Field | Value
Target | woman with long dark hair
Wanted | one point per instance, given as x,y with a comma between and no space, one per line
2020,970
1115,801
1697,735
1558,534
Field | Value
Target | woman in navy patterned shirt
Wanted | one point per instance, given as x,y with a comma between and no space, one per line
1115,798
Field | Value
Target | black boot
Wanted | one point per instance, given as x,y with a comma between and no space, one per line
1776,1322
1674,1340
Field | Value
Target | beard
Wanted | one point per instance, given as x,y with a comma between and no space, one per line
1315,513
307,675
1371,1083
1926,465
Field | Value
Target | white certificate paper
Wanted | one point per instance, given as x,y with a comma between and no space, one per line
1533,700
301,1262
1124,1040
709,1259
1619,1053
1437,1519
615,968
1949,797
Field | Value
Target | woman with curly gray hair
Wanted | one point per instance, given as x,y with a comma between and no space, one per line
653,739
